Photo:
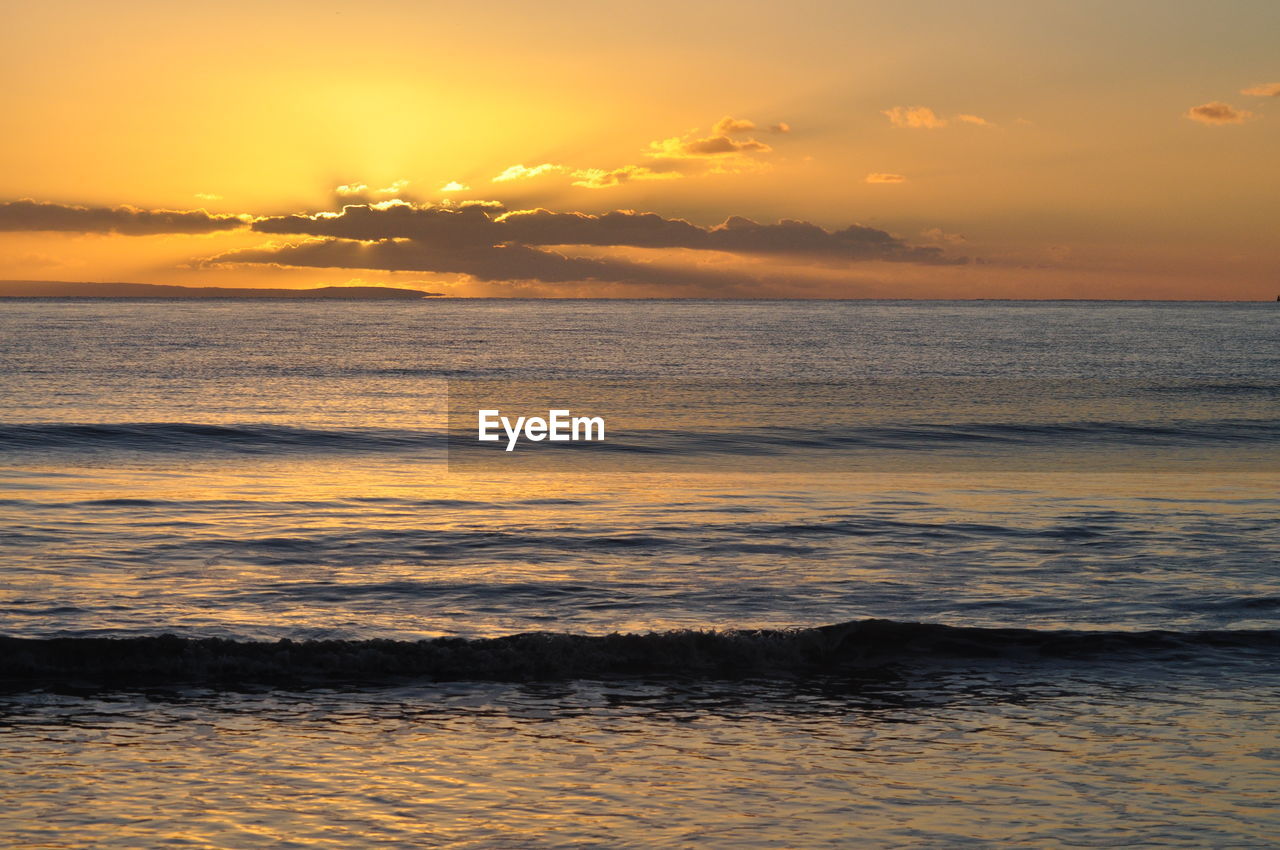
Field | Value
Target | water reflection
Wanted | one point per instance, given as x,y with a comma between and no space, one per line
1016,756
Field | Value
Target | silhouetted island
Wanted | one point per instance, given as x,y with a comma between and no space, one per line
64,289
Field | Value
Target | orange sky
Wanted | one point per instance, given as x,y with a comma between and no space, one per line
925,149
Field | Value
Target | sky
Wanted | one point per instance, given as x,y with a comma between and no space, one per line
573,149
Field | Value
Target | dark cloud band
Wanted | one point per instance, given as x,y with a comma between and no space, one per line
499,263
478,227
35,215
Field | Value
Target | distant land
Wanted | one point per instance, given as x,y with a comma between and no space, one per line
65,289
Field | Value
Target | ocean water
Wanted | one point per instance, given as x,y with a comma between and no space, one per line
841,573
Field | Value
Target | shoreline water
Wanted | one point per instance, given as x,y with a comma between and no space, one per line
273,610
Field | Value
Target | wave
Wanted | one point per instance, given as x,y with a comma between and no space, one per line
190,436
263,438
170,660
1217,388
934,436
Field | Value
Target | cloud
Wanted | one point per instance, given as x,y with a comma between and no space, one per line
437,225
1263,90
207,196
454,186
27,214
446,228
1218,113
361,193
883,177
501,263
728,150
922,117
802,238
599,178
727,126
619,228
522,172
682,147
914,117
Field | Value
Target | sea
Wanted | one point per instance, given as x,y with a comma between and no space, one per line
838,574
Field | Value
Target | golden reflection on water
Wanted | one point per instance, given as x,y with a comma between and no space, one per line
1044,756
1015,758
370,478
266,548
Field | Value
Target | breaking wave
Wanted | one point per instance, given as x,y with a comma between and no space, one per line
152,437
190,436
169,660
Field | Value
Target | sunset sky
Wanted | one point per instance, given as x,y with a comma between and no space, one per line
801,149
